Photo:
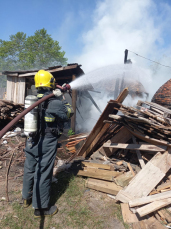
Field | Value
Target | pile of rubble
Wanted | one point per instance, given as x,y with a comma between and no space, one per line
129,156
9,110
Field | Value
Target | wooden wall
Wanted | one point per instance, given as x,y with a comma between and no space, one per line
16,89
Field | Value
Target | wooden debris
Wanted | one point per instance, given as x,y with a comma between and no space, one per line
124,179
98,173
149,199
147,132
141,161
144,182
144,147
154,206
9,110
96,133
96,165
128,216
103,186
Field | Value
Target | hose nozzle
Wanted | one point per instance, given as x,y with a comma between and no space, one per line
64,88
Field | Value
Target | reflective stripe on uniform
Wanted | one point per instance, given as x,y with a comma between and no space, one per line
47,119
69,112
40,95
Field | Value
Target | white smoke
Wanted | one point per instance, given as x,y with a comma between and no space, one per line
139,26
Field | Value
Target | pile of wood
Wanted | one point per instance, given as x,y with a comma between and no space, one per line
133,161
9,110
75,142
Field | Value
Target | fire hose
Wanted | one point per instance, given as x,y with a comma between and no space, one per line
67,87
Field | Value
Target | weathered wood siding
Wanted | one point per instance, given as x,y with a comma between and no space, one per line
16,89
2,93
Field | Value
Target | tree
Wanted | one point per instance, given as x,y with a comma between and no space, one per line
37,51
43,50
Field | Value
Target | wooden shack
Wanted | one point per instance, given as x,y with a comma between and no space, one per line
20,83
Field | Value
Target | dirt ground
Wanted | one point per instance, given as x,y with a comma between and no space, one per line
78,206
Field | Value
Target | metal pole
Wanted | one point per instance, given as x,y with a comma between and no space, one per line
126,56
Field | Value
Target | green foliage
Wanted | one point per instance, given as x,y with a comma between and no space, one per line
37,51
70,132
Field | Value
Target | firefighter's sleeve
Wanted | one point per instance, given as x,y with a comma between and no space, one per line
60,109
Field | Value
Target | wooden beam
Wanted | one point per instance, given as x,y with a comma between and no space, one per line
144,147
74,99
122,136
13,74
148,139
92,140
149,208
140,159
124,179
49,70
103,186
98,173
101,133
96,165
144,182
130,168
149,199
128,216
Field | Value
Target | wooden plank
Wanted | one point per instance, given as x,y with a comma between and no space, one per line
130,168
153,223
124,179
103,186
122,136
148,139
139,225
99,174
149,199
122,95
164,186
15,89
128,216
140,159
96,165
166,215
145,181
155,105
144,147
49,70
149,208
86,148
101,133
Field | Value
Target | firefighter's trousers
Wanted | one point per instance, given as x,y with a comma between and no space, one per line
38,170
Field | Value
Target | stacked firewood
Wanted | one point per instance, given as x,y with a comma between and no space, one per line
9,110
149,119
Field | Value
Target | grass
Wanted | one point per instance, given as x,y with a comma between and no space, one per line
74,210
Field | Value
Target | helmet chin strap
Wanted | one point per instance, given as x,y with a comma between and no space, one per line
44,88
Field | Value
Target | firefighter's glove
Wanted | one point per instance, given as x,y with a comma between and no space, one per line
57,92
64,86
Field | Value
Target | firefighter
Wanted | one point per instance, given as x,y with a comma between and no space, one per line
41,147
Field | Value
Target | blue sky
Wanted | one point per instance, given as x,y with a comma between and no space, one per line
94,33
64,20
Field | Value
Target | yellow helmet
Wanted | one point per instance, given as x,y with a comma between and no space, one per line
44,79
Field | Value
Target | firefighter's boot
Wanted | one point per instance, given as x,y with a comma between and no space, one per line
27,202
45,211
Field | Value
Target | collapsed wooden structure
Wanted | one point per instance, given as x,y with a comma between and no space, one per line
143,135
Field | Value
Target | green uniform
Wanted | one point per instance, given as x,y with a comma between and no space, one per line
41,151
